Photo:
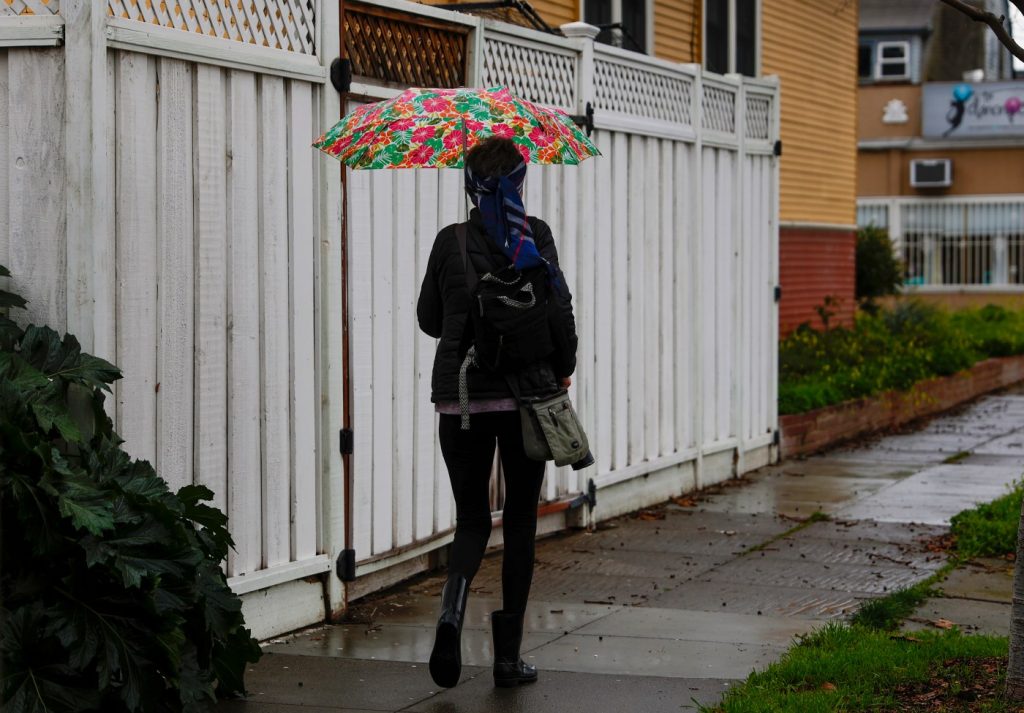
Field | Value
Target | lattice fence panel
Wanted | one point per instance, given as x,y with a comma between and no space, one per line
719,107
533,74
759,113
282,24
29,7
404,50
633,90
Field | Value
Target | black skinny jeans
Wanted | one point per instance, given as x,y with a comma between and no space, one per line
469,456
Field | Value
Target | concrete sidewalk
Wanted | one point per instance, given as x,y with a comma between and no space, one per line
665,610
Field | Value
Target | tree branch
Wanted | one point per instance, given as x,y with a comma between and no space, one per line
993,21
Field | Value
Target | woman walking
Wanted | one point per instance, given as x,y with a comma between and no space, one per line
484,412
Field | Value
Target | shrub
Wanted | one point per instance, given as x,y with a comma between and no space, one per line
113,595
891,349
879,272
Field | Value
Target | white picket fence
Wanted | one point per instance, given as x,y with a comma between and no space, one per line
162,202
669,243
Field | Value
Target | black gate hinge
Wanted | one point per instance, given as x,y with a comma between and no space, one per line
776,437
778,293
346,567
777,149
346,441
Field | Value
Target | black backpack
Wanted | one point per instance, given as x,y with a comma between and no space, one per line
508,313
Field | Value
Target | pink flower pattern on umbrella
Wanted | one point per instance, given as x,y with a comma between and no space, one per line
453,140
540,137
424,133
503,130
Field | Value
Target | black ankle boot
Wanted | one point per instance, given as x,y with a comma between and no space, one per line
509,669
446,658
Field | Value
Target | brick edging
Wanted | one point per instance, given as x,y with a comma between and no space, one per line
813,431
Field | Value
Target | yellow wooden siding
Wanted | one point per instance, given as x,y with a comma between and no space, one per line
677,30
812,46
557,12
554,12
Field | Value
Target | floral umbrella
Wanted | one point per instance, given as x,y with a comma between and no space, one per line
433,128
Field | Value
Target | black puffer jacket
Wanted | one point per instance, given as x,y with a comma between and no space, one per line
443,309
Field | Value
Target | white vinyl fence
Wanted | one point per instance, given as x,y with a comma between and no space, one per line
964,242
669,243
160,199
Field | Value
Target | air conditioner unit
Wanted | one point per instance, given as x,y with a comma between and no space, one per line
931,172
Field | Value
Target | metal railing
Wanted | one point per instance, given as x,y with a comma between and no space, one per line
973,242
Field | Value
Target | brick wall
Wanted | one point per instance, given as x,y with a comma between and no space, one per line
814,431
815,263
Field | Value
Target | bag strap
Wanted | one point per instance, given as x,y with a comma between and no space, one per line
462,233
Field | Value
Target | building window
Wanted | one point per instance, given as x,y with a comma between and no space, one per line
892,60
731,37
623,23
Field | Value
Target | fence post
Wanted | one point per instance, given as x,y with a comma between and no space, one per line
895,222
586,34
475,56
90,238
739,397
697,292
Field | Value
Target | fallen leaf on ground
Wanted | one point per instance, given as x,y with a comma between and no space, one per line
649,515
685,501
828,686
943,623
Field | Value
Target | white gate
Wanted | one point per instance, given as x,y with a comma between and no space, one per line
161,200
669,244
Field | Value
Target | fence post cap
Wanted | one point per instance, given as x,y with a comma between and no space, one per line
580,29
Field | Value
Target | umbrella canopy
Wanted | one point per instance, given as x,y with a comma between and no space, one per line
433,128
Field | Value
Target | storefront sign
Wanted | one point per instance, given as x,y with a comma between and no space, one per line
986,109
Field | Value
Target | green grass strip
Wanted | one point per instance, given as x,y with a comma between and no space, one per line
990,529
888,612
847,667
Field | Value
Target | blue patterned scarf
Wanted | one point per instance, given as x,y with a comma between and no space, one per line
500,202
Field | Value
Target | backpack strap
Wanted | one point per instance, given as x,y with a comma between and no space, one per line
462,233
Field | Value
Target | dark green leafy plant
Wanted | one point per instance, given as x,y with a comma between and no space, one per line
879,273
113,598
892,349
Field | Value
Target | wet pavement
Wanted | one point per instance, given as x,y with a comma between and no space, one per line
976,597
664,610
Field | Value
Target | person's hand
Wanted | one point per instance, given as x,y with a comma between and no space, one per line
566,382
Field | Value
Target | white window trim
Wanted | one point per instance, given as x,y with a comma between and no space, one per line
617,17
880,61
731,31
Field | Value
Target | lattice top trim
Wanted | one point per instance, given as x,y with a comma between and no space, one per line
282,24
29,7
633,90
536,75
403,50
759,117
719,107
